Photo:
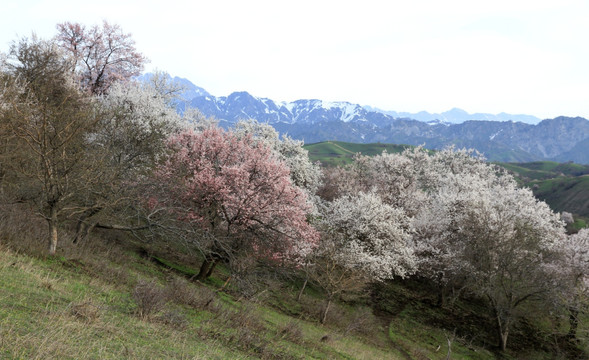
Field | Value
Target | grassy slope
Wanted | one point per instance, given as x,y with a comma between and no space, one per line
336,153
82,306
564,186
56,309
566,194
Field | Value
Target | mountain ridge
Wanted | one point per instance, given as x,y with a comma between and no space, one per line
314,120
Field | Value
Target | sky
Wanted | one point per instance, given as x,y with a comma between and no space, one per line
514,56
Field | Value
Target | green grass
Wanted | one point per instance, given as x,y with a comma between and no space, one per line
565,194
542,170
60,309
563,186
38,318
338,153
181,269
523,171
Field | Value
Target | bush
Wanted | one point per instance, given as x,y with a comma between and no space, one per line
184,292
292,332
174,319
22,230
85,311
149,297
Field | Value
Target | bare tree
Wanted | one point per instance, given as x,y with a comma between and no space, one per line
50,120
135,121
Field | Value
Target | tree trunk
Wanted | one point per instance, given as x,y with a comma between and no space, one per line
503,332
441,287
82,227
504,340
324,315
441,298
52,221
303,288
573,323
211,268
204,269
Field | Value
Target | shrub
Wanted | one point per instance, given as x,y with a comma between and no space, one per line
149,297
184,292
85,311
292,332
174,319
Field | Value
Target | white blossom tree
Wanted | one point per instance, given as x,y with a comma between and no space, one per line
479,228
136,120
575,268
472,225
511,243
451,181
362,239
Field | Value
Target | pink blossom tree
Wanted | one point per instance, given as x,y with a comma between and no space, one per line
238,194
101,55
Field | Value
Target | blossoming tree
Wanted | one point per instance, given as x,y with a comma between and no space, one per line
237,193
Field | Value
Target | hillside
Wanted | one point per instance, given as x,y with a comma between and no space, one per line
114,298
132,230
336,153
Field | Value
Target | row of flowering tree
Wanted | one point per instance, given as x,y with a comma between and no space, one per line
455,220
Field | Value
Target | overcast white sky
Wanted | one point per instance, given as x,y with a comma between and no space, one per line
524,57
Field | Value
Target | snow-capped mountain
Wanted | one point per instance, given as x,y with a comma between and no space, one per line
242,105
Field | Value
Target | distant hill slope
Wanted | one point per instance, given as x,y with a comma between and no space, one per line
563,186
337,153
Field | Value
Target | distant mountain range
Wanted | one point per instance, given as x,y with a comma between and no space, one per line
457,116
500,137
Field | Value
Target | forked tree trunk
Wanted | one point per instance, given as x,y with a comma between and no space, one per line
83,229
211,268
504,340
